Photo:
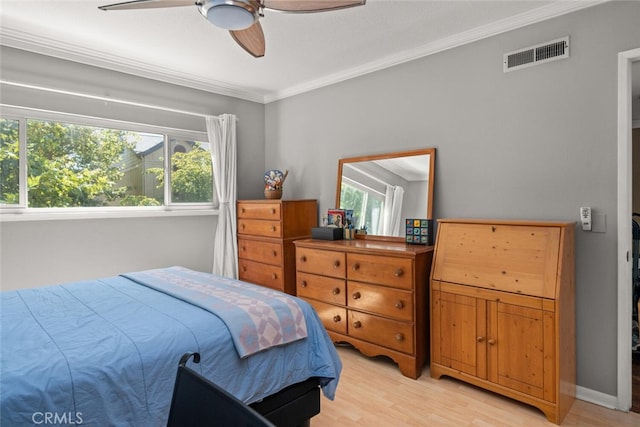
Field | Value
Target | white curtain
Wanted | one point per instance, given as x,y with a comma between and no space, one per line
392,224
222,139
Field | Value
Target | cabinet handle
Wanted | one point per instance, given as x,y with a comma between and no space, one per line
303,258
356,267
336,264
399,272
480,339
336,291
336,318
357,295
491,342
399,305
357,324
399,337
303,283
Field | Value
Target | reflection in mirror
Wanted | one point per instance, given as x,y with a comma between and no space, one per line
383,190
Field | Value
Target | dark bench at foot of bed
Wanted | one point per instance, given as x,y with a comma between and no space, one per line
293,406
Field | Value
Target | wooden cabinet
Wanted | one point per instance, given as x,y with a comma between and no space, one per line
503,309
371,294
266,231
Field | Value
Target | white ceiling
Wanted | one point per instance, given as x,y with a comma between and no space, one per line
304,51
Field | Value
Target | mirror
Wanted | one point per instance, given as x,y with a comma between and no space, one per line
385,189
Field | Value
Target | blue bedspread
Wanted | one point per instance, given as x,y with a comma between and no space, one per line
105,352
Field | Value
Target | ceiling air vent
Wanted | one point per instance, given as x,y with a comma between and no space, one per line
538,54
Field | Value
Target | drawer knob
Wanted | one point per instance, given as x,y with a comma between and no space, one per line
336,264
399,272
399,305
243,210
399,337
491,341
273,228
303,283
357,295
273,211
480,339
336,291
336,318
303,258
244,249
356,267
357,324
244,268
275,253
242,225
274,276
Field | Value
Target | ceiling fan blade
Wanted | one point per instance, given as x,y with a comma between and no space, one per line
148,4
251,39
302,6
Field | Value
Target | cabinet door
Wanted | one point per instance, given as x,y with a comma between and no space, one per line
522,337
459,325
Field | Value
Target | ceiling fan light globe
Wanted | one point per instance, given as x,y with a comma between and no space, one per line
230,14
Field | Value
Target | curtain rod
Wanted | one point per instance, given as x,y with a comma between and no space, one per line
104,98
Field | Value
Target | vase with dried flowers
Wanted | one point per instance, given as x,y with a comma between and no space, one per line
273,181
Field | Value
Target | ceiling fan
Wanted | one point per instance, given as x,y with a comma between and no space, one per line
240,17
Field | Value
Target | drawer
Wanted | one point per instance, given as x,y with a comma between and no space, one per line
326,263
269,211
385,332
258,227
320,288
380,300
261,274
333,318
382,270
256,250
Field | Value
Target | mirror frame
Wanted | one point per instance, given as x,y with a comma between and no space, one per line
419,152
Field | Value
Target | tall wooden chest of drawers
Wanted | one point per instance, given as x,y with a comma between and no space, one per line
371,294
266,231
503,309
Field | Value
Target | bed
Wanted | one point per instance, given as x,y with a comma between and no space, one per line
105,352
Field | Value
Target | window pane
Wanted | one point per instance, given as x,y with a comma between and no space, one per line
9,162
367,207
82,166
191,172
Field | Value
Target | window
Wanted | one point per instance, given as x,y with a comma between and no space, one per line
80,165
367,205
9,162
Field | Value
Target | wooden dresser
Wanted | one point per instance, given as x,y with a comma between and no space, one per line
266,231
503,309
371,294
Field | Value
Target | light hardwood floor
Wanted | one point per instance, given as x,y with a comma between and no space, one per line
372,392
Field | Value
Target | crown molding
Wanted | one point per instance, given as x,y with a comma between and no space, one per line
518,21
33,43
30,42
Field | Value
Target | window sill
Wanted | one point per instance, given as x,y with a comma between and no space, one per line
51,214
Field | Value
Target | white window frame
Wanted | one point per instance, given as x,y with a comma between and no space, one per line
22,212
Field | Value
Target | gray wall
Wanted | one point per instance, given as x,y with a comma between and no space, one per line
36,253
537,143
